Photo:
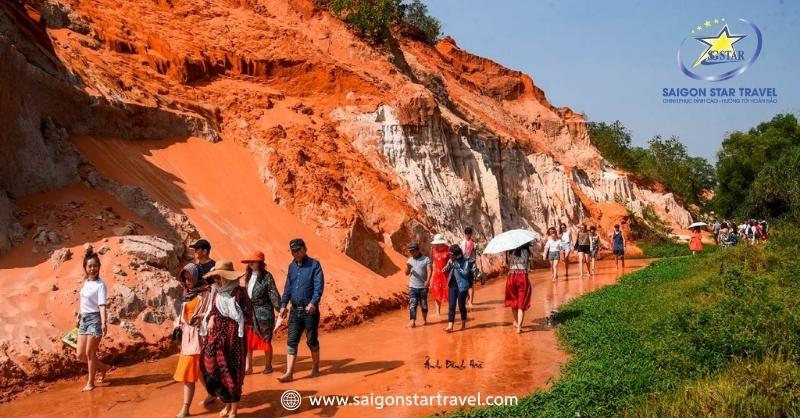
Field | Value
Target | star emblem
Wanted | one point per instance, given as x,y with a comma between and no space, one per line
722,43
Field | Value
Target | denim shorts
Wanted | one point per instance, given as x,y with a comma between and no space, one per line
417,297
90,324
553,255
300,321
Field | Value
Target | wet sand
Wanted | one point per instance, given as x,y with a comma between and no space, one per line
381,357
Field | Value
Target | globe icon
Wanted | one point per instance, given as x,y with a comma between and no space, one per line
291,400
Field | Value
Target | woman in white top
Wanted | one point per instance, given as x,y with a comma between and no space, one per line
552,250
92,319
566,246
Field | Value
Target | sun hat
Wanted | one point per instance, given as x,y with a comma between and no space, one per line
438,239
225,270
254,256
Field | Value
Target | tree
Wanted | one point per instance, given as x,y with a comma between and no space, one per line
775,192
744,155
614,143
416,15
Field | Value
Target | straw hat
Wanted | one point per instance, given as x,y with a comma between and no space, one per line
438,239
225,270
254,256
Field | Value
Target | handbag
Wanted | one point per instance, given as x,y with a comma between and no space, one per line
177,334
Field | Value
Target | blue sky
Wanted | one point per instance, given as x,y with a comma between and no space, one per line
610,59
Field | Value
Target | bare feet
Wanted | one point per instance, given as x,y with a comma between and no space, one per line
267,370
315,372
412,324
514,324
88,388
224,411
463,325
208,400
184,412
449,328
286,378
519,330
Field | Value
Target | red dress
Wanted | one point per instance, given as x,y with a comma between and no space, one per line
223,356
696,242
439,290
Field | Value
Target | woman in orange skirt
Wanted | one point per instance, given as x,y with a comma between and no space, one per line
440,254
266,301
195,303
518,285
696,242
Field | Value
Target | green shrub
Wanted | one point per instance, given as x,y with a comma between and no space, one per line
370,18
416,15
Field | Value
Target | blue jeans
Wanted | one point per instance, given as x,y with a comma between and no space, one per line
459,296
417,297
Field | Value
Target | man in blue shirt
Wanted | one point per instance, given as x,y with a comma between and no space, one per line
304,285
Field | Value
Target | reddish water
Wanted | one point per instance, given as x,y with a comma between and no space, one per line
381,357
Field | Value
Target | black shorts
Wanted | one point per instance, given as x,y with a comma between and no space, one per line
582,248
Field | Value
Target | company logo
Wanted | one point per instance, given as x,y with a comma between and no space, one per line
291,400
720,49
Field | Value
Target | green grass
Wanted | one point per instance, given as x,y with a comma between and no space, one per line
673,338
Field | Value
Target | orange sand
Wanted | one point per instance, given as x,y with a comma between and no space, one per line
237,215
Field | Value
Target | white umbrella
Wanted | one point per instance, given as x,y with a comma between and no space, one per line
698,225
510,240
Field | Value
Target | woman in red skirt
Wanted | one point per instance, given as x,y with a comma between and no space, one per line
222,359
440,254
266,301
518,286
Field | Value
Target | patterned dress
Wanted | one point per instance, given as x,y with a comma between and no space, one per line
439,290
224,352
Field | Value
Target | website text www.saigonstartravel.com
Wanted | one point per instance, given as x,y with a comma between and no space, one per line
292,400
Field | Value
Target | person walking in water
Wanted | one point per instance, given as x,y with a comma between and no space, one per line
224,353
618,246
266,302
518,285
696,241
469,249
440,254
92,318
194,304
582,247
418,269
458,286
566,247
304,285
202,257
552,251
594,246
